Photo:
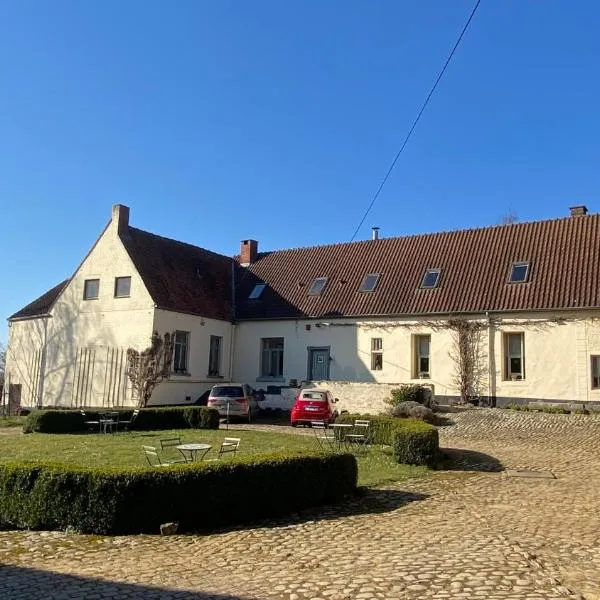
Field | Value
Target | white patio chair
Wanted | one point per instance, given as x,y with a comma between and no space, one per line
360,435
90,424
229,445
153,457
172,442
324,436
127,423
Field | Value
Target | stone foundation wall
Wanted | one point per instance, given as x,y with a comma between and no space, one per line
356,397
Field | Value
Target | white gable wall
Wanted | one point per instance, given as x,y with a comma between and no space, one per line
82,362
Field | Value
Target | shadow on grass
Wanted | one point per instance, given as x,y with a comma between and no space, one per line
17,583
457,459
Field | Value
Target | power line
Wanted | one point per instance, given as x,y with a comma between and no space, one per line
423,107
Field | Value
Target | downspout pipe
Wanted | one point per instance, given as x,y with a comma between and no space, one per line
490,360
233,322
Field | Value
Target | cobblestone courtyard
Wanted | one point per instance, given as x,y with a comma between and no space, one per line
471,532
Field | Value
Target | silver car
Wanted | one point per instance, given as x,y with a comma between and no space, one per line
234,400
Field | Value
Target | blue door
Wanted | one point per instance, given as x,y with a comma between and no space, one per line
318,364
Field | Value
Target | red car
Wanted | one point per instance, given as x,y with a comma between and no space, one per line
313,405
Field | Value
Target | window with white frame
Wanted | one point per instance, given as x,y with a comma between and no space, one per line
596,372
376,354
519,272
514,356
422,357
181,348
271,364
317,287
369,282
214,356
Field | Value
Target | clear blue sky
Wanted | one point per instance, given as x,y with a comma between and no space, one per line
217,121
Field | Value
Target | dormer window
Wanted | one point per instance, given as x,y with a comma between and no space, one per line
369,283
431,279
519,272
317,287
257,291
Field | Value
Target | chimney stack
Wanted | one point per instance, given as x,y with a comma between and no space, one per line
120,217
375,233
248,252
579,211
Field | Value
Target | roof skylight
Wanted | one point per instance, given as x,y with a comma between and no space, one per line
257,291
431,279
369,283
317,287
519,272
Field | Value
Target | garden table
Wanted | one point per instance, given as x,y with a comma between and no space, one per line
341,431
193,450
108,420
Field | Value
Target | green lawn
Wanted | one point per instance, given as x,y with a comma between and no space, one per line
12,421
124,449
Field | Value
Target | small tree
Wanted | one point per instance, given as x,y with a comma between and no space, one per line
2,365
146,369
466,352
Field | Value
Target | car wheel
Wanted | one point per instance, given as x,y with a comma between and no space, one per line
294,423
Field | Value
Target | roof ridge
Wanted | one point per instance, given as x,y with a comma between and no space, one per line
429,234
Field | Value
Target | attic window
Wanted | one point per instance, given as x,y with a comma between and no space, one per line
369,283
317,287
257,291
519,272
431,279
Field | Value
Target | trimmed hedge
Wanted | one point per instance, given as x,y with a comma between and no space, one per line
413,442
200,496
149,419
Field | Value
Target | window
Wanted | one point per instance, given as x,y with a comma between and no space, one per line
519,272
317,287
431,279
181,351
422,366
122,287
369,283
514,359
257,291
214,356
376,354
596,372
91,287
272,357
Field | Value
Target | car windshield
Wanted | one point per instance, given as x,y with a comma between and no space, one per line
314,396
227,391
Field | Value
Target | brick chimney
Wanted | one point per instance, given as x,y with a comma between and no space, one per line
578,211
248,252
120,218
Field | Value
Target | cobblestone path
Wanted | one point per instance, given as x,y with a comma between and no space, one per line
471,532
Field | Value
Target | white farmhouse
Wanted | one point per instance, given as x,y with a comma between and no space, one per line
521,302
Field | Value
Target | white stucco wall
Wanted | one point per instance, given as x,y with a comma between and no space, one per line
185,389
84,359
557,355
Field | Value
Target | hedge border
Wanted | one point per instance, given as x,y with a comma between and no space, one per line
149,419
413,442
200,496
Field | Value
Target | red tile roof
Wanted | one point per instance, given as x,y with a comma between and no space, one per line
182,277
41,305
475,267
